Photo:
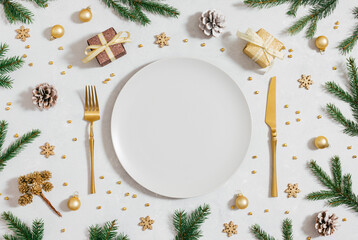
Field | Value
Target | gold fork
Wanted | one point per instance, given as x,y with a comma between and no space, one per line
91,115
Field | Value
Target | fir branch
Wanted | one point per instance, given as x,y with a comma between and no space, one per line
3,132
265,3
335,89
17,226
17,146
41,3
3,49
348,44
140,16
157,8
107,232
340,189
110,229
5,81
259,233
15,12
353,78
124,12
122,236
188,227
287,229
38,228
10,64
95,232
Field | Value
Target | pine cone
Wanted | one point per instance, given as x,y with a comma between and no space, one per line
34,177
22,179
326,224
47,186
36,189
25,199
24,188
46,175
44,96
212,23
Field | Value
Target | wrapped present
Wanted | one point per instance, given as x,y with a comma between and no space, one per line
262,47
106,46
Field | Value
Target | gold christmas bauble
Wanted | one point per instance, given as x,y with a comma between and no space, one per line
241,201
85,15
321,43
74,203
57,31
321,142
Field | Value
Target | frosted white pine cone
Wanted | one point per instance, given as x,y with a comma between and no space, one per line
212,23
326,224
44,96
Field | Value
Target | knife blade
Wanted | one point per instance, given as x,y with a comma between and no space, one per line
270,120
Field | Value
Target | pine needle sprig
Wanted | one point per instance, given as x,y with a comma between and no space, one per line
15,12
340,186
351,97
41,3
8,65
348,44
262,235
38,229
187,227
15,147
107,232
133,10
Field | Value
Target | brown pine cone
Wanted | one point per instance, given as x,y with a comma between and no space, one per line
34,177
22,180
25,199
44,96
326,224
46,175
47,186
24,188
36,189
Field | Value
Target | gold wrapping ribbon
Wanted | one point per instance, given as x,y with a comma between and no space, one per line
269,52
97,49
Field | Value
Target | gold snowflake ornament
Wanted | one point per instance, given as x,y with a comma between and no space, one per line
146,223
22,33
47,150
162,40
292,190
230,228
305,81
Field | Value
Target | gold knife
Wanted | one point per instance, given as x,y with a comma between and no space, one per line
271,122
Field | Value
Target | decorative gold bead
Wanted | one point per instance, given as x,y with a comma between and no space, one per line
287,212
65,184
63,230
69,121
250,213
119,182
286,106
7,108
222,49
69,66
308,238
8,103
31,64
290,50
16,135
294,158
74,139
147,204
256,92
109,192
112,75
24,56
60,48
134,196
6,198
297,112
124,208
27,46
337,23
319,116
140,45
334,68
335,27
253,172
349,147
298,119
266,210
101,177
63,73
289,56
50,62
185,40
203,44
284,145
63,156
287,123
99,207
254,157
354,156
127,194
344,219
250,78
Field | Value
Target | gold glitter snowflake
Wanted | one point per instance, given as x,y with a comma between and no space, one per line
47,150
146,223
230,228
292,190
22,33
162,40
305,81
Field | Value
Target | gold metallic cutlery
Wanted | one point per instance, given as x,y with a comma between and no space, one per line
271,122
91,115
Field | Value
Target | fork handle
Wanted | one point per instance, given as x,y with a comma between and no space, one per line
274,174
91,141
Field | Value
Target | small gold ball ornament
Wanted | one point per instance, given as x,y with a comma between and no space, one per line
74,202
322,43
321,142
241,201
57,31
85,14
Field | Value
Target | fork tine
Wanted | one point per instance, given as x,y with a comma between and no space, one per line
86,99
89,99
93,106
95,93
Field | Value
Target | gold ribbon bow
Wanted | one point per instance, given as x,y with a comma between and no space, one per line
264,45
97,49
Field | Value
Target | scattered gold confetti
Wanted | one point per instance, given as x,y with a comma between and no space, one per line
119,182
63,230
334,68
107,79
31,64
298,119
16,135
6,198
203,44
253,172
27,46
147,204
134,196
250,78
289,56
65,184
344,219
50,62
284,145
63,73
222,49
290,50
24,56
233,207
124,208
294,158
250,213
185,40
287,212
109,192
308,238
287,123
7,108
335,27
101,177
69,121
337,23
319,116
99,207
286,106
74,139
297,112
140,45
63,156
112,75
60,48
256,92
349,147
266,210
127,194
354,156
69,66
254,157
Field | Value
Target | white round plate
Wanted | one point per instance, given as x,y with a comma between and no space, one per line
181,127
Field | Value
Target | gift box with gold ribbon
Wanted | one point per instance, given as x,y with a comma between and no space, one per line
262,47
106,46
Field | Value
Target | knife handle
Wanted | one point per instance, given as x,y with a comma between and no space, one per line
274,174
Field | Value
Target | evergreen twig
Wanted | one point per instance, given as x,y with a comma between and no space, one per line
348,44
351,97
262,235
340,186
187,227
107,232
21,230
15,12
15,147
8,65
133,9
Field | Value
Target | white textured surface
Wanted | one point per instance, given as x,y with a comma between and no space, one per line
74,170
